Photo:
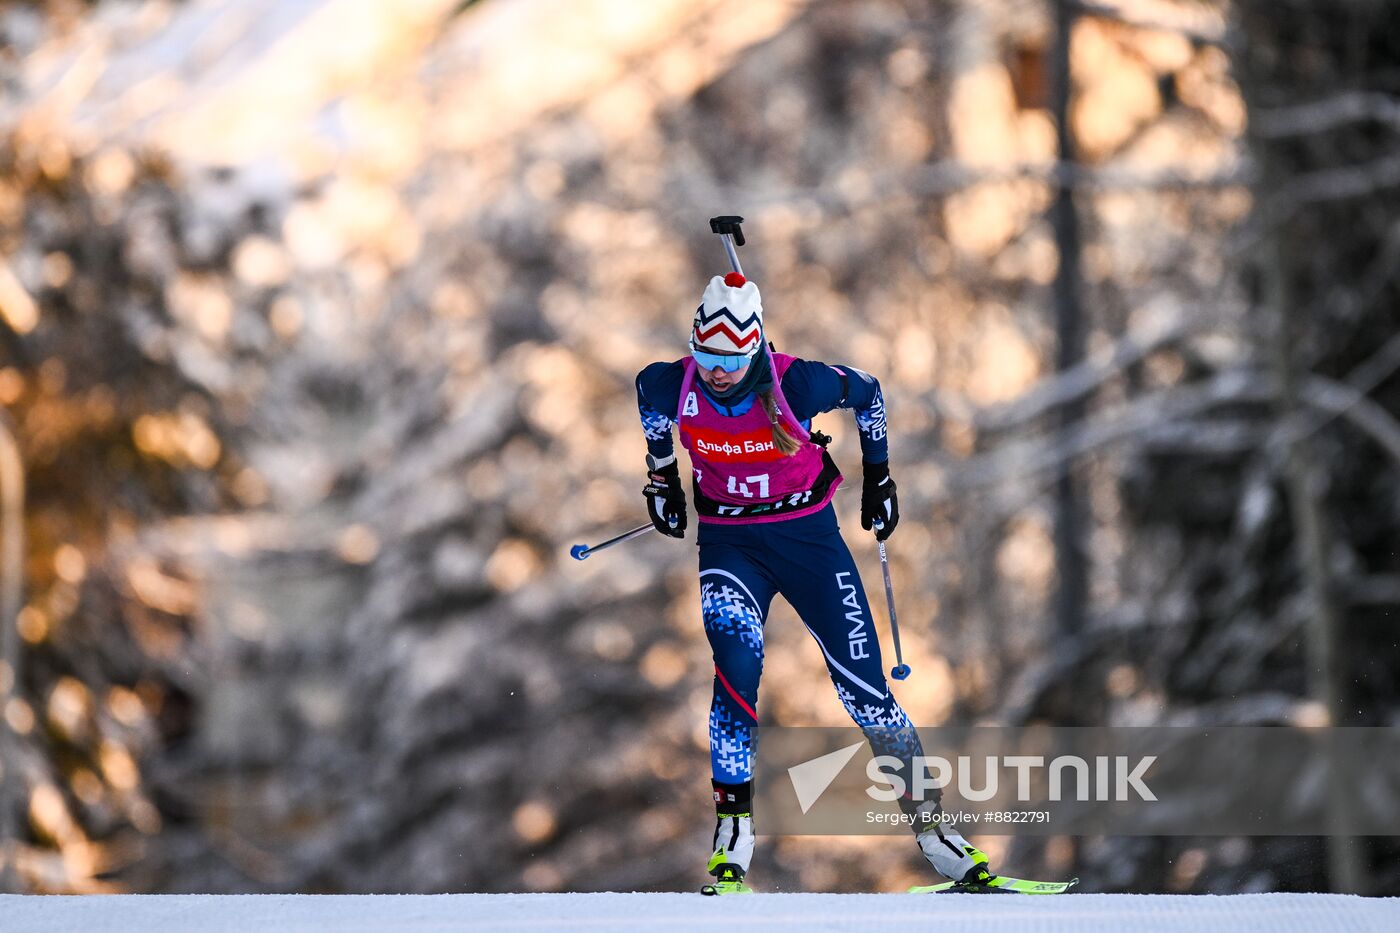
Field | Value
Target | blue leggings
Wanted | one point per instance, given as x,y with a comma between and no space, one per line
806,560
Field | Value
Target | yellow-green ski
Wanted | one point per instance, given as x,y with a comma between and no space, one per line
726,887
998,884
729,879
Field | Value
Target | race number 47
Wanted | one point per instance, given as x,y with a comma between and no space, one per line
737,488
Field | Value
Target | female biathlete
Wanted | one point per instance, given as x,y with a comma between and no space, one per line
763,483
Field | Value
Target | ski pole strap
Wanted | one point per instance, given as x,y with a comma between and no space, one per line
713,508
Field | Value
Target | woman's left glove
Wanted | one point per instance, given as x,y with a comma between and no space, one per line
878,502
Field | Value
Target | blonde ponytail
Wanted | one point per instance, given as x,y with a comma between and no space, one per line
787,444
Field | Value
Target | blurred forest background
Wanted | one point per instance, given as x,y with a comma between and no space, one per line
318,325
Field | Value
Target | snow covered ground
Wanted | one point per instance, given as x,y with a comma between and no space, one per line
1110,913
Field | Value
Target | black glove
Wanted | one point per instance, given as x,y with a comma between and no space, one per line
666,499
878,501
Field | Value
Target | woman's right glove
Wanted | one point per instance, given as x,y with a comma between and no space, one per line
665,498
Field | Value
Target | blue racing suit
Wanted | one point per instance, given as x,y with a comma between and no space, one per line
805,559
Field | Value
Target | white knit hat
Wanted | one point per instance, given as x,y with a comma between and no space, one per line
730,316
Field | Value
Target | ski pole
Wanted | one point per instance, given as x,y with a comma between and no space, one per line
731,234
901,670
581,551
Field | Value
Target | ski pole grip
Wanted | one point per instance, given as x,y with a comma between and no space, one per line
729,224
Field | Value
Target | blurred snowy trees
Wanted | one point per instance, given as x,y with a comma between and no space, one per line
326,359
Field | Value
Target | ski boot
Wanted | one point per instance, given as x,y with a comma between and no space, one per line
733,840
954,857
949,853
733,851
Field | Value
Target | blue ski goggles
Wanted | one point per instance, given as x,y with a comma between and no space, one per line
729,362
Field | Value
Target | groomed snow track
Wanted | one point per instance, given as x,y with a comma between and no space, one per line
886,913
